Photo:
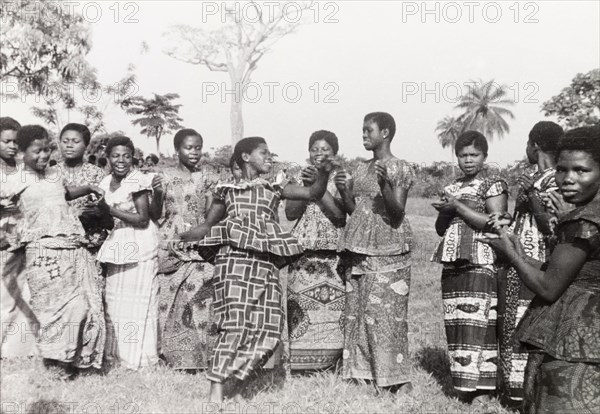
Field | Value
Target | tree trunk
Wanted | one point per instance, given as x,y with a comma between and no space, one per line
237,121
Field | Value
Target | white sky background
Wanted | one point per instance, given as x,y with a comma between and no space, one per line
372,53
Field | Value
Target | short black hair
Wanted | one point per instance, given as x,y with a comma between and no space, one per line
475,138
119,141
326,136
581,139
9,124
52,163
182,133
102,162
545,134
246,145
82,129
92,159
383,121
153,158
29,133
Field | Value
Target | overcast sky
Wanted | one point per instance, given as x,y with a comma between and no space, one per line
364,56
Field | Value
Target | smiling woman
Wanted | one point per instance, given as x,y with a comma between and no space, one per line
562,324
130,254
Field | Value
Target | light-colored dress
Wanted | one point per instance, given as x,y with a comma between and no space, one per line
66,294
316,291
16,317
469,290
375,317
130,255
187,323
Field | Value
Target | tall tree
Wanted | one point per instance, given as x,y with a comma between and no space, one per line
483,109
578,104
448,130
156,116
235,47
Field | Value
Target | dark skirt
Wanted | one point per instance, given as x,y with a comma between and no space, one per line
513,300
557,386
248,310
469,296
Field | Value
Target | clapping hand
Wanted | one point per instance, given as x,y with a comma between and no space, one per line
158,184
382,173
525,182
506,245
447,203
309,175
498,222
343,181
555,203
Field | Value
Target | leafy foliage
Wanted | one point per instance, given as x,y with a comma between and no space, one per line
578,104
156,116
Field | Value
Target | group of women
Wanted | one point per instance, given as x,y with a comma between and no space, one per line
182,267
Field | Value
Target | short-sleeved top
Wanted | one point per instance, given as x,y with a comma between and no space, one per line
251,222
314,230
569,328
535,243
43,206
459,243
125,243
368,230
184,208
87,174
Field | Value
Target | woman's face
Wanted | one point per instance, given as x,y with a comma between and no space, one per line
470,160
190,151
8,144
373,137
259,159
532,153
72,145
121,160
37,155
318,151
577,176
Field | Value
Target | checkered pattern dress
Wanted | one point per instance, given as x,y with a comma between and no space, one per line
248,248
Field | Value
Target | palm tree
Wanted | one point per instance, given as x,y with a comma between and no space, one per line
449,129
484,112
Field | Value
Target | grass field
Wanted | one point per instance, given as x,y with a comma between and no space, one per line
26,389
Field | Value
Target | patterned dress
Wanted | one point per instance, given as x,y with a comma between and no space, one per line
66,289
469,288
248,248
513,295
316,291
375,317
186,318
131,258
16,316
563,371
86,174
